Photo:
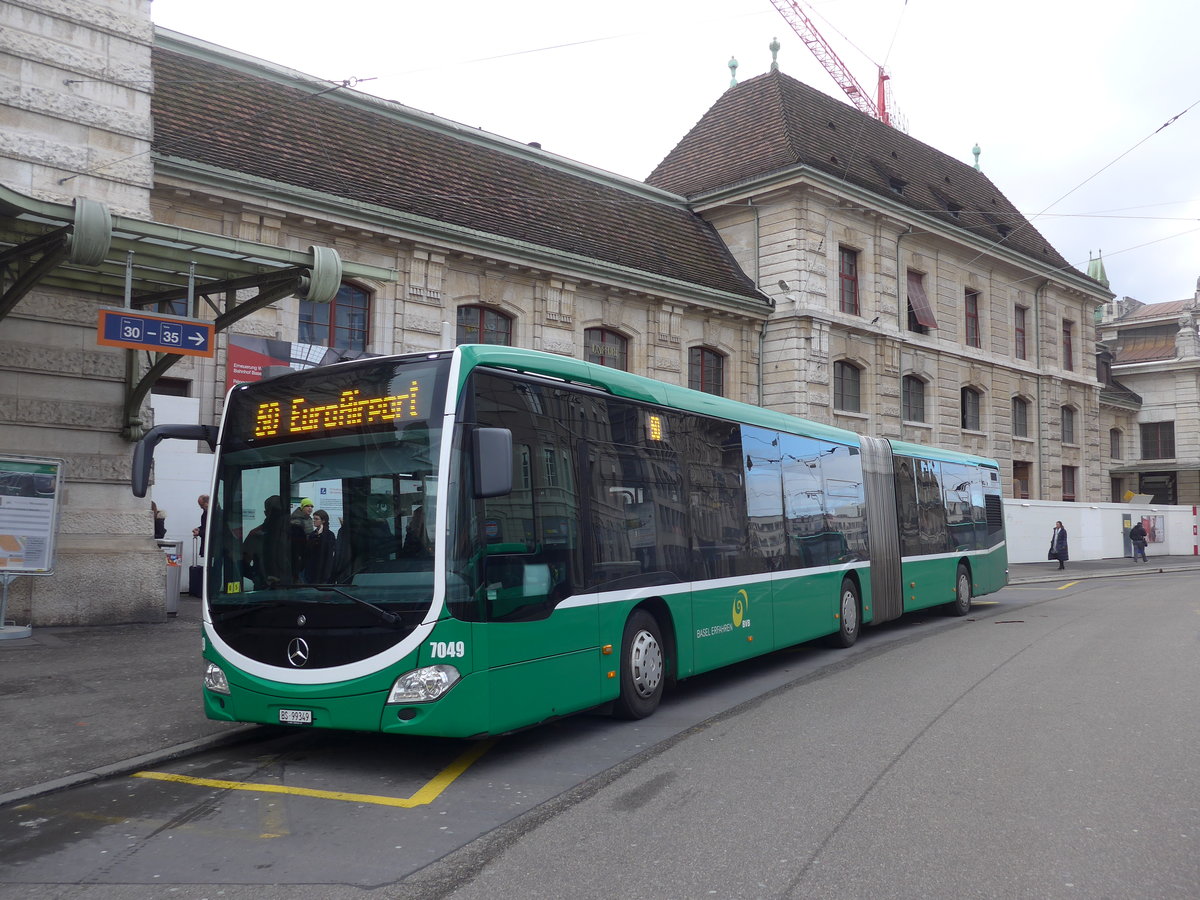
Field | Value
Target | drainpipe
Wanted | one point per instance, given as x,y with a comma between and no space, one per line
901,310
762,332
1037,341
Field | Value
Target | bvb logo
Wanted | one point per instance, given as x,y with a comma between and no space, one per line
740,606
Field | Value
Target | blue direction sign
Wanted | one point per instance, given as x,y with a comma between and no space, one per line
150,331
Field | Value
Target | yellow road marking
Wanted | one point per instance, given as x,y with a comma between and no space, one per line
1067,585
427,794
274,821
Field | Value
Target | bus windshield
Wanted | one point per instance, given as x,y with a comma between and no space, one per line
325,496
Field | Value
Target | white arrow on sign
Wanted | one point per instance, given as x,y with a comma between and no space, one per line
196,339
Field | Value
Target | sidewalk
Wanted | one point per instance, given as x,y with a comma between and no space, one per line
80,704
1026,573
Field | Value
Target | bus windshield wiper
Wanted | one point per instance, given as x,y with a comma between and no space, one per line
244,609
386,616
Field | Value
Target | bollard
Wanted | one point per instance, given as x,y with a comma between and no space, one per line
173,553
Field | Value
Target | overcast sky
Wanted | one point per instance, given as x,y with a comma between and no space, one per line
1068,100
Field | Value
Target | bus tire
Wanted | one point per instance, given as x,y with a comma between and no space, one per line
849,616
643,667
962,593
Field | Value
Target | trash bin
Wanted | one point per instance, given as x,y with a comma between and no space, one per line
173,553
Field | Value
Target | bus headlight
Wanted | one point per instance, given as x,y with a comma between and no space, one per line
423,685
214,679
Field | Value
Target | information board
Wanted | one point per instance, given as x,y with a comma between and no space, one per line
30,489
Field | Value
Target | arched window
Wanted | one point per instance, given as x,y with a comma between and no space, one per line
608,348
847,393
971,404
706,371
481,325
1020,417
341,323
912,397
1114,443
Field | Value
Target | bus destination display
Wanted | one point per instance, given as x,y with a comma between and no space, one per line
295,417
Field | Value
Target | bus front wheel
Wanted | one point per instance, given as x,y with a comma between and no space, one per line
643,667
849,620
962,593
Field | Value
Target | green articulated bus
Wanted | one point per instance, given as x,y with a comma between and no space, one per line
516,536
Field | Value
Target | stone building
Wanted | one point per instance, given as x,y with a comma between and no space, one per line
912,300
1154,350
789,252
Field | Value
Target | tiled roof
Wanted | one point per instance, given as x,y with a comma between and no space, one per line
772,123
1144,346
1117,393
304,135
1157,310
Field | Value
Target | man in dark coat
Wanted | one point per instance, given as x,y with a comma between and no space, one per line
1137,536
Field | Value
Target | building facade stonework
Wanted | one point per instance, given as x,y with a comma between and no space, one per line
76,123
1026,338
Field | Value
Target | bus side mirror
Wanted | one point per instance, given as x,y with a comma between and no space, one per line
143,451
492,452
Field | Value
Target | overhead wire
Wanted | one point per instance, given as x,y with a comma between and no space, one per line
1028,223
1171,121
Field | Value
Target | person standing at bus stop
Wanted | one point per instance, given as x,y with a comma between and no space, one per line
1058,545
198,532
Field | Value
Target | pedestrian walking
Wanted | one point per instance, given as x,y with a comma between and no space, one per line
1058,545
1137,536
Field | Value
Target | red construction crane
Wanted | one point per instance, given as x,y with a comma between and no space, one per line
804,27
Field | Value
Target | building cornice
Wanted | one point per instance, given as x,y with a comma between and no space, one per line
904,216
301,201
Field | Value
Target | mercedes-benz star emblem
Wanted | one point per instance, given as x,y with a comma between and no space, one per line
298,652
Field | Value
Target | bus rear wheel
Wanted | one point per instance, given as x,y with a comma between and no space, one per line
962,593
849,620
643,667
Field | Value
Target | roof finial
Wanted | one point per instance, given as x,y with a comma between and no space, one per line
732,72
1096,267
976,151
774,54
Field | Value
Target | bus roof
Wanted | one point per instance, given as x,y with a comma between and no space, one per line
648,390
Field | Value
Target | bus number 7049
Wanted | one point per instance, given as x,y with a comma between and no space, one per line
505,536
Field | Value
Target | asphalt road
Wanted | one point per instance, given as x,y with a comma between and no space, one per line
1046,752
1045,747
